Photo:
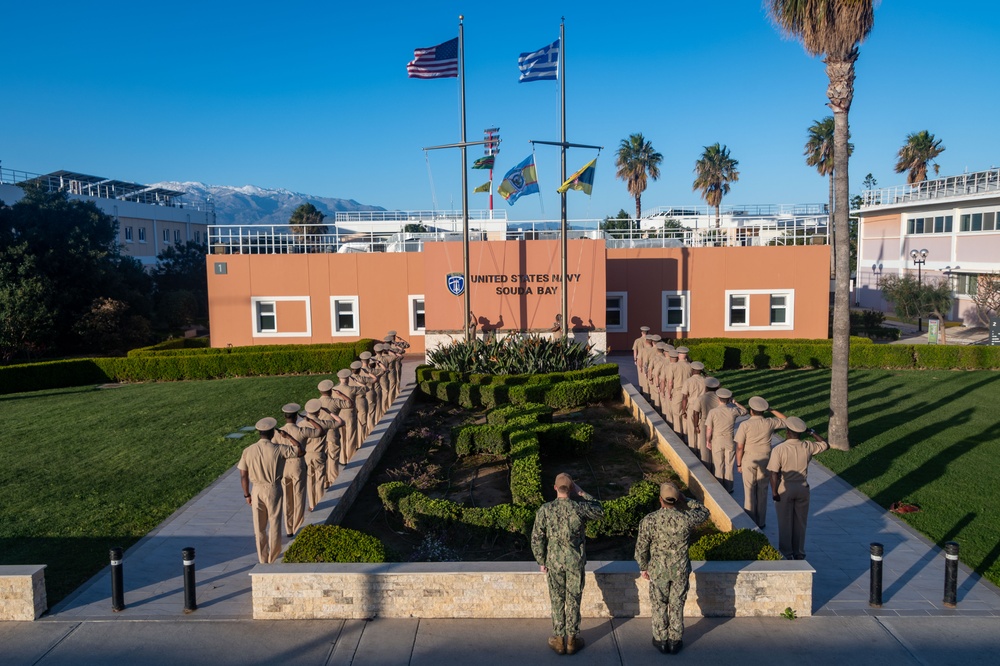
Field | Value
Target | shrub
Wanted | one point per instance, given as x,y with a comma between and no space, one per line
582,392
565,438
622,515
525,469
512,355
504,415
391,493
472,439
741,544
422,513
51,374
332,543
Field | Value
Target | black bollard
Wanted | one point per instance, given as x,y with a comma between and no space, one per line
190,604
950,574
875,578
117,587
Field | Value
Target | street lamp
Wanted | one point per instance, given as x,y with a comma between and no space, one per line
919,259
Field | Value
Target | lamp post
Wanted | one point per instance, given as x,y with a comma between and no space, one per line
919,258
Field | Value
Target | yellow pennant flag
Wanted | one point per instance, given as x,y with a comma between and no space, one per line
485,187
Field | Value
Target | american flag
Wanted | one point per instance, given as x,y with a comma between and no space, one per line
435,62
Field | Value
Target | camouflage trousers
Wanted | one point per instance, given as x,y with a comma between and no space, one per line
667,597
565,590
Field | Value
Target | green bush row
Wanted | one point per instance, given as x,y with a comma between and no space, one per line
365,344
526,469
423,513
79,372
172,345
566,393
740,544
688,342
430,373
332,543
622,515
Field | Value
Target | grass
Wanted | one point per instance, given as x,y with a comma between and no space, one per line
87,469
928,437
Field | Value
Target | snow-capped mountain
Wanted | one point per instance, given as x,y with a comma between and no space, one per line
255,205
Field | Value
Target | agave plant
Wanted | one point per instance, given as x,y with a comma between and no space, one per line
512,355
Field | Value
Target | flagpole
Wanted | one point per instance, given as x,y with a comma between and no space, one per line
562,179
465,186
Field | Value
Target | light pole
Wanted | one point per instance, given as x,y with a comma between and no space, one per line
919,259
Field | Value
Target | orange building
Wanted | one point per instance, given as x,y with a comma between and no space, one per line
515,286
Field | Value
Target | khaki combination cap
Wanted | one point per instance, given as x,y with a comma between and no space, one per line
724,393
669,346
670,494
697,365
266,423
758,404
391,333
365,356
388,338
644,329
660,345
655,337
712,383
682,350
378,347
325,385
344,374
795,424
312,406
356,365
291,408
672,353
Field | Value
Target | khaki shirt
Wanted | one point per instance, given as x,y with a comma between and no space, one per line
791,460
316,444
694,388
264,462
755,436
722,421
702,405
637,346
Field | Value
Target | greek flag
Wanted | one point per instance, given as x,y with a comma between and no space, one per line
540,65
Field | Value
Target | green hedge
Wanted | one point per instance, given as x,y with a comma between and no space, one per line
741,544
174,349
526,469
622,515
428,373
332,543
172,345
558,390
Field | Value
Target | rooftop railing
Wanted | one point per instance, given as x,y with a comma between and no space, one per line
417,215
736,210
321,239
980,182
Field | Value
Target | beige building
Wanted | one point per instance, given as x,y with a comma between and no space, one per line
150,219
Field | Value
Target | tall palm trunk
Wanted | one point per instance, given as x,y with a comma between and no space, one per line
829,227
638,208
718,215
841,93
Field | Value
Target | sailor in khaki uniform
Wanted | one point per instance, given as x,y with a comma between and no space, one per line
720,423
382,356
293,479
753,450
789,468
330,410
360,386
699,412
682,371
694,388
371,390
343,396
650,356
316,452
667,379
637,346
262,464
655,366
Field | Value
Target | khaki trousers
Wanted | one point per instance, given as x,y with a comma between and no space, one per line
755,489
265,502
315,477
333,448
723,461
793,513
293,483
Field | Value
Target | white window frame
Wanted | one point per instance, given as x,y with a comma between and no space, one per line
772,308
177,236
623,308
128,234
142,234
334,329
278,333
789,295
412,300
685,325
166,236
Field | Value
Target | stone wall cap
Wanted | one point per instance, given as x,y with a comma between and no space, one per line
21,569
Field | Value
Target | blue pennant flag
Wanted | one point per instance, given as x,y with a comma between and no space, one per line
540,65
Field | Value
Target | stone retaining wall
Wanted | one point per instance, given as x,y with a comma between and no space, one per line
515,590
22,592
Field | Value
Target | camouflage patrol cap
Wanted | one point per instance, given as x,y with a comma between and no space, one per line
795,424
724,393
266,423
365,355
697,365
670,494
312,406
712,383
758,404
356,365
325,385
291,408
344,374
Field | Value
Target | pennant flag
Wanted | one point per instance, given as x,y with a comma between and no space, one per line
582,180
540,65
519,180
435,62
484,162
485,187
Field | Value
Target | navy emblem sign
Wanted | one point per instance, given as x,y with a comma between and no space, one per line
456,283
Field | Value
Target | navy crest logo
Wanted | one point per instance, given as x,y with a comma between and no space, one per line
456,283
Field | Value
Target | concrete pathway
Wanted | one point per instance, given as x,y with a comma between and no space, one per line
843,522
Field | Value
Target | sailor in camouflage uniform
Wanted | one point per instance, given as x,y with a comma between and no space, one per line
661,549
558,542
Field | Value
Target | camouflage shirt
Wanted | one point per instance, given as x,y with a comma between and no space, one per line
558,539
662,545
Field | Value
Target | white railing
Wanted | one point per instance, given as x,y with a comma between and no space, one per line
952,186
736,210
417,215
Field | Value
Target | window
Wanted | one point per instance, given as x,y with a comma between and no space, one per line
779,309
738,310
197,236
128,234
985,221
166,236
988,219
267,318
616,316
417,323
344,315
177,236
675,311
940,224
142,234
967,283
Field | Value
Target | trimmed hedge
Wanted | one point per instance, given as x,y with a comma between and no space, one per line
623,515
167,349
428,373
558,390
173,344
185,364
741,544
332,543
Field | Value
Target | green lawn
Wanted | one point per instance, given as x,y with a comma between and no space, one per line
86,469
928,437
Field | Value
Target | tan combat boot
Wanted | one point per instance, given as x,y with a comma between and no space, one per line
574,644
558,644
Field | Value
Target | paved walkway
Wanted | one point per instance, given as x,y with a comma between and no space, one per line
843,523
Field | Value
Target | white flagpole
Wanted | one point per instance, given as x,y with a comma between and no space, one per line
562,138
465,185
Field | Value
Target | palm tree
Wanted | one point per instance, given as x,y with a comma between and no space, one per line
635,160
919,149
833,29
306,221
819,154
713,173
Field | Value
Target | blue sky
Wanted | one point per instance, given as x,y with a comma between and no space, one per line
313,97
